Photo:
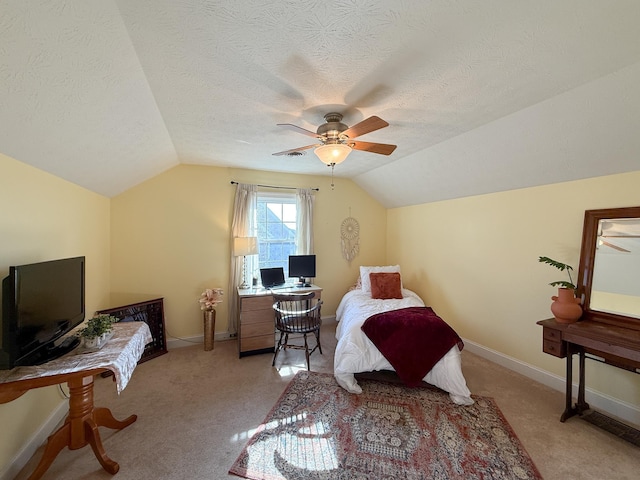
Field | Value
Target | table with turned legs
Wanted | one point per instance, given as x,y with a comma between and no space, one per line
77,369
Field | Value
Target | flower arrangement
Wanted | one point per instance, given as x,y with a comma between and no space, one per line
210,298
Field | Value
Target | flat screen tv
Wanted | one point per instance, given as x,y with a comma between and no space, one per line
303,267
41,302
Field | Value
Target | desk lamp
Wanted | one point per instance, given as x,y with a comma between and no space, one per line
243,246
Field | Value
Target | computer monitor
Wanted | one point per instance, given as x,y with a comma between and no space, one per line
303,267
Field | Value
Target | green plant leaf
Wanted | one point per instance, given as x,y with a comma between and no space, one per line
562,267
559,265
563,284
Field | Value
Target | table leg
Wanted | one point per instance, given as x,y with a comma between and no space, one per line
55,444
93,437
104,418
569,411
81,427
581,404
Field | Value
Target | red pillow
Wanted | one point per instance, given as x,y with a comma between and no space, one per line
385,286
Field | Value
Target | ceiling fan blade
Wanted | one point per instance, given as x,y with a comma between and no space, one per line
615,247
299,149
301,130
368,125
381,148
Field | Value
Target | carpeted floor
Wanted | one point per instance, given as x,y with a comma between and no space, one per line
319,431
197,409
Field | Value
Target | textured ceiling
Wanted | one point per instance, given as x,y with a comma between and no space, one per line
108,93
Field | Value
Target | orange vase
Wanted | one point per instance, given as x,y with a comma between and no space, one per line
566,307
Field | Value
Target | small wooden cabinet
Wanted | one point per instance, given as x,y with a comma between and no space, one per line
256,325
147,310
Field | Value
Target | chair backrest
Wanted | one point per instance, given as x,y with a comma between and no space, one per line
297,312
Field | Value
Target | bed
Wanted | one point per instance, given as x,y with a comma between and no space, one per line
356,353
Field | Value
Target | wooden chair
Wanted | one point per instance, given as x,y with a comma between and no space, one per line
297,313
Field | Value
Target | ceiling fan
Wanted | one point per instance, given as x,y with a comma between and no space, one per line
617,229
337,139
616,247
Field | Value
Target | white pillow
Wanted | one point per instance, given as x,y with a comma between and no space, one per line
365,271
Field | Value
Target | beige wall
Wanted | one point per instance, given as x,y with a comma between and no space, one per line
170,236
475,260
45,218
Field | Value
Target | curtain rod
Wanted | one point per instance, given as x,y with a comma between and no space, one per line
233,182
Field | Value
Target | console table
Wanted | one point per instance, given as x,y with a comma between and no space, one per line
120,355
256,325
614,345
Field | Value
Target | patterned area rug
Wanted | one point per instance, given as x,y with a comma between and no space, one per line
319,431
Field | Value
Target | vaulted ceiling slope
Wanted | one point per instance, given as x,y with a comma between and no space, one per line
480,96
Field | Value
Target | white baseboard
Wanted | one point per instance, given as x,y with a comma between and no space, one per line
38,438
597,400
173,342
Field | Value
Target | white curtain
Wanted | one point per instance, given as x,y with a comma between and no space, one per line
243,225
304,221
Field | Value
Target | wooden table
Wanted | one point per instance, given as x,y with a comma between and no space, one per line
614,345
78,368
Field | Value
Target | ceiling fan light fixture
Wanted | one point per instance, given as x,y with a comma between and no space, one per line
333,154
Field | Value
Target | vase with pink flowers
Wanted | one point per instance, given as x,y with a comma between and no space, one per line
209,299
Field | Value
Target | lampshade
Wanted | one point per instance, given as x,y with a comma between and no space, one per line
333,153
245,246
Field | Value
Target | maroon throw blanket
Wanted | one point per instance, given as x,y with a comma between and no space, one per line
412,339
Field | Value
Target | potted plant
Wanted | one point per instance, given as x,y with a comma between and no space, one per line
565,307
97,330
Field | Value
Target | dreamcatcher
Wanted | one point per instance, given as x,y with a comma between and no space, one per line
349,232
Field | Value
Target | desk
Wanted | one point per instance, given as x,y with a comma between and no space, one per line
120,355
616,346
256,323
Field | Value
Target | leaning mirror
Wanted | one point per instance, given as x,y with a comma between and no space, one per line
609,271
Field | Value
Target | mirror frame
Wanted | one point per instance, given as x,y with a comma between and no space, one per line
587,258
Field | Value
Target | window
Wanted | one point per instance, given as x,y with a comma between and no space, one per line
276,226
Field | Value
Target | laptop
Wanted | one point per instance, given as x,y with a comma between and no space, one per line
272,277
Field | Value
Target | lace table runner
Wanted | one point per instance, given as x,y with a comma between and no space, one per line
120,355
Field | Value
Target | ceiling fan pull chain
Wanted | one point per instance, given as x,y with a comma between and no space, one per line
332,165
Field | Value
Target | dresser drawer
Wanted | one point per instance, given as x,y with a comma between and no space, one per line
257,343
552,343
551,335
264,302
257,316
556,349
257,329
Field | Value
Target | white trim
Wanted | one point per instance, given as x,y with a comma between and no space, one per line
598,400
173,342
33,444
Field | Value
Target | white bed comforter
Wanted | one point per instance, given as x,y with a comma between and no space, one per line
356,353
